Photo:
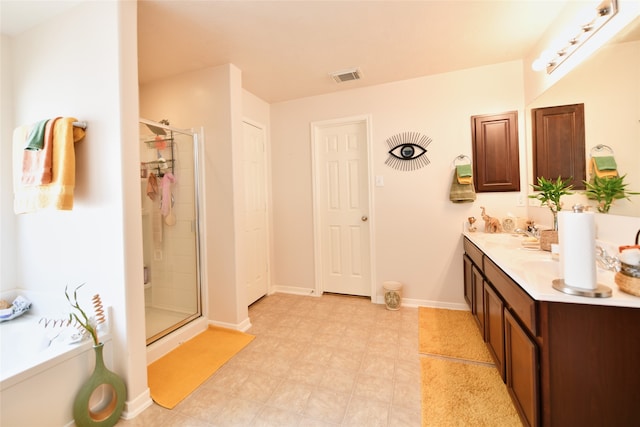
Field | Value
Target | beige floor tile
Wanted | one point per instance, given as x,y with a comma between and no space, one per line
258,387
375,388
338,380
312,422
227,379
306,372
237,412
275,417
405,417
366,413
378,365
318,353
203,404
407,394
326,405
315,362
291,396
346,359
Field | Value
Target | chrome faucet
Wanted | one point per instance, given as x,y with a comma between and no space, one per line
531,231
606,261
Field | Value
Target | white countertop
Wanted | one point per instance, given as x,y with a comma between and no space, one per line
534,270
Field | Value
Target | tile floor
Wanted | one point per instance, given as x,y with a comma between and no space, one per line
328,361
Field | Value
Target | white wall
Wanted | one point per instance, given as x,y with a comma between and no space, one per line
417,228
212,99
7,219
59,71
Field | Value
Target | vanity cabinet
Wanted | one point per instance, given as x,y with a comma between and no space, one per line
509,324
564,363
521,366
467,265
494,327
474,283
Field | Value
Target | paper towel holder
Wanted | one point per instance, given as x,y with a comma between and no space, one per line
601,291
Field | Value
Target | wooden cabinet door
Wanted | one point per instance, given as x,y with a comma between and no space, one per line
496,164
558,144
468,281
478,298
494,326
521,367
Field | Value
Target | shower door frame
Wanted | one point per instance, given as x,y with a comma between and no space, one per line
197,187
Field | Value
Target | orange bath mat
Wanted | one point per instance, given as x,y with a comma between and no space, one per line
451,333
178,373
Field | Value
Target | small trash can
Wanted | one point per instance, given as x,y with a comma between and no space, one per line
392,295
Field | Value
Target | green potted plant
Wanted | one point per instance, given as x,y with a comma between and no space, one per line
606,190
550,192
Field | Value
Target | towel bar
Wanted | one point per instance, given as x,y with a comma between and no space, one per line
82,125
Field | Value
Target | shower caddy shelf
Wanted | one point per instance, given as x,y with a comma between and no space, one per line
155,165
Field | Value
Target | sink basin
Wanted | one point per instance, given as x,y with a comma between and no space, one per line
502,239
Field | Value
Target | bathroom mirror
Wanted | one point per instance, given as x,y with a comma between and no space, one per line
608,85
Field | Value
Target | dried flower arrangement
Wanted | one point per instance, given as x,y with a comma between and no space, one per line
89,324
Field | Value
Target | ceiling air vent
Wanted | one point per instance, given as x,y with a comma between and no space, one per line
346,75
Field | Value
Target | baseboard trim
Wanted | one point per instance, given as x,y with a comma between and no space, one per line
295,290
379,299
134,407
242,326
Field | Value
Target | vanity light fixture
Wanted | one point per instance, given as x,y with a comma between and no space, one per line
551,59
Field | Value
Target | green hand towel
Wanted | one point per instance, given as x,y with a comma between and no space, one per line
605,163
35,140
463,170
461,193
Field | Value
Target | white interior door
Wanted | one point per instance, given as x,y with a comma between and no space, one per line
342,207
254,158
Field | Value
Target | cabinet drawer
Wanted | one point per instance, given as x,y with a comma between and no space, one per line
515,298
474,253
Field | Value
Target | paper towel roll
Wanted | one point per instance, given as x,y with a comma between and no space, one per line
577,240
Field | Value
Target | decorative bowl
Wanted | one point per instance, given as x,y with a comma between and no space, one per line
630,270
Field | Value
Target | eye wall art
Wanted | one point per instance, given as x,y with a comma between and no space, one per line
407,151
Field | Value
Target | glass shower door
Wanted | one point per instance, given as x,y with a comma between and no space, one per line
169,191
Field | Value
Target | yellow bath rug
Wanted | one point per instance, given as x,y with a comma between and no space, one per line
451,333
175,375
456,393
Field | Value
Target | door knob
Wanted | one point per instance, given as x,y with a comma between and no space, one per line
364,218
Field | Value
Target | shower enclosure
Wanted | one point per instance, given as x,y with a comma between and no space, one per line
169,191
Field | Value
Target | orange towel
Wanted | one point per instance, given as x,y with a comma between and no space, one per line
152,186
58,194
36,164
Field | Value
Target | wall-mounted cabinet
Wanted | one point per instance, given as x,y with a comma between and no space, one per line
558,144
496,161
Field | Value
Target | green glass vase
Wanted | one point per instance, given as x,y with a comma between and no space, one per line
101,398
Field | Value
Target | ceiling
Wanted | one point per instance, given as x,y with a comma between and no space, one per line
286,49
